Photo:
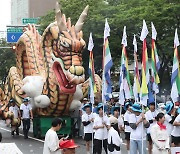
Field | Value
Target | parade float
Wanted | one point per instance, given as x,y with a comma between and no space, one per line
49,70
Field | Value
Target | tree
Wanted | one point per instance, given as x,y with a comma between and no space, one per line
130,13
7,59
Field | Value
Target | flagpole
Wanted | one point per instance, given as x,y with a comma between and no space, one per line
155,101
145,74
142,129
91,76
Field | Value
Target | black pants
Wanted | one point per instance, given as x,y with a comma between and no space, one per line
17,131
26,126
98,146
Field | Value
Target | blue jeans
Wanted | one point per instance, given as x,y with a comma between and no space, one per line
136,145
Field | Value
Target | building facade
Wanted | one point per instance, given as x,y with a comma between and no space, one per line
29,9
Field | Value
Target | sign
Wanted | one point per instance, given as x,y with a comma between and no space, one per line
13,37
29,20
14,30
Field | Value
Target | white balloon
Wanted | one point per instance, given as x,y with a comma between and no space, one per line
42,101
33,85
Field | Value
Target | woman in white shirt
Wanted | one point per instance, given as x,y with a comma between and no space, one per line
159,135
114,140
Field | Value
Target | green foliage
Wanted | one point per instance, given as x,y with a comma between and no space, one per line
7,59
163,13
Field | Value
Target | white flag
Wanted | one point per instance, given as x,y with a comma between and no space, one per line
176,39
144,31
106,29
124,38
90,44
154,32
135,43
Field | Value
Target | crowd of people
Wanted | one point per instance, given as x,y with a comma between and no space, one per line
104,126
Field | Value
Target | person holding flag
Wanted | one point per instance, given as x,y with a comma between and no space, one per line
138,122
101,126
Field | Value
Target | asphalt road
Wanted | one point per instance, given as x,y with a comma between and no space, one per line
35,146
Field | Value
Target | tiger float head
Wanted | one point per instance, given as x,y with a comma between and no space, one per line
67,51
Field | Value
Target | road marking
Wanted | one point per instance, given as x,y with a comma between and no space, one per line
23,135
39,139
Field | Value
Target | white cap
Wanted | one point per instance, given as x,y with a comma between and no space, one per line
113,120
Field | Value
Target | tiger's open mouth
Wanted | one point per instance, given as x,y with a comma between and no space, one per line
64,84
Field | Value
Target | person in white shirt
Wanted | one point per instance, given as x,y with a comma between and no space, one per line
127,108
87,120
151,117
101,126
138,123
16,117
169,116
51,143
160,137
176,130
26,115
114,140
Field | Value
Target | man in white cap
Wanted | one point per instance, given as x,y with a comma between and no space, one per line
87,120
138,123
26,115
16,115
101,126
114,140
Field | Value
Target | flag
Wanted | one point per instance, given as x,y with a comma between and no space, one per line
155,64
136,86
175,77
92,84
125,91
107,64
145,68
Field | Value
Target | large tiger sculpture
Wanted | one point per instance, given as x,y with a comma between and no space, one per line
49,68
